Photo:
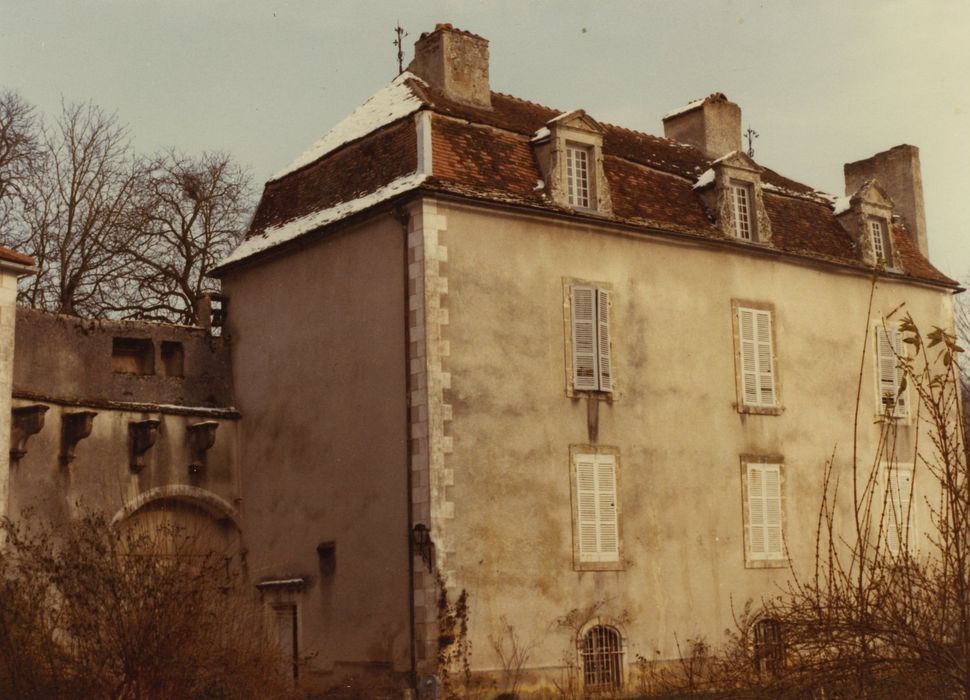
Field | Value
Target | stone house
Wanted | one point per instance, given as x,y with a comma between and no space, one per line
486,363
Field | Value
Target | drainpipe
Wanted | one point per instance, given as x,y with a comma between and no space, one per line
404,218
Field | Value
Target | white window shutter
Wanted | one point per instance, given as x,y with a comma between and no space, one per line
584,338
888,345
765,535
586,507
603,340
609,536
898,519
749,368
756,512
757,358
773,535
766,379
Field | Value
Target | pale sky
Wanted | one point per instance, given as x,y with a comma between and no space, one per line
822,82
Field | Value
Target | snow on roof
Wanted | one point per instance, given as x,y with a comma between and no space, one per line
392,102
841,205
542,133
287,231
686,108
706,178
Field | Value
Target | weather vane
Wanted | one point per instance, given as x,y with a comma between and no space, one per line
399,43
752,135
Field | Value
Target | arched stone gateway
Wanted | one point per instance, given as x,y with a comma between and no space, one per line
185,520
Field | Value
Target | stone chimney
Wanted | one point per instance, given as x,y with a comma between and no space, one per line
713,125
898,172
455,63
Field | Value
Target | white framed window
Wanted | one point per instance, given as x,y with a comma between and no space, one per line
879,240
577,176
889,375
764,539
591,352
899,522
596,516
741,203
756,360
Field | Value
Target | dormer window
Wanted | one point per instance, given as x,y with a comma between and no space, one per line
577,175
879,239
569,151
743,221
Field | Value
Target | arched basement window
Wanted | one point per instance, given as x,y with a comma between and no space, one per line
769,647
602,656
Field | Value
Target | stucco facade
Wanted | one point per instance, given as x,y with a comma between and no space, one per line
453,335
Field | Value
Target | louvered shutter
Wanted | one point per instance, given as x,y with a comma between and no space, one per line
773,535
756,512
765,536
757,361
609,536
888,345
586,507
898,516
603,340
749,369
584,338
766,379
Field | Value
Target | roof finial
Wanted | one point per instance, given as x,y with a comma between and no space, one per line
399,43
752,135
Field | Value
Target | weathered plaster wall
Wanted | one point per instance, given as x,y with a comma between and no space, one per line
673,420
100,477
68,358
8,317
319,369
65,364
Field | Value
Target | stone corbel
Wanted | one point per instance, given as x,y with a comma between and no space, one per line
141,436
26,421
74,428
202,436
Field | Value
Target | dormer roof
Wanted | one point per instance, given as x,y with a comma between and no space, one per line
576,119
488,155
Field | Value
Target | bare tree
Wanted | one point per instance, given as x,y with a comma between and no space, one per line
20,155
190,213
78,212
93,609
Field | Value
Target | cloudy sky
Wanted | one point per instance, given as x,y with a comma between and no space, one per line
823,82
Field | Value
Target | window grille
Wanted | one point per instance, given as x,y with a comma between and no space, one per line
742,212
285,618
602,659
577,176
769,646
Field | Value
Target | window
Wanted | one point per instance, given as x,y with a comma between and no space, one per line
577,176
596,515
602,654
889,376
741,202
757,376
880,241
590,316
898,521
284,618
132,356
173,358
769,647
763,526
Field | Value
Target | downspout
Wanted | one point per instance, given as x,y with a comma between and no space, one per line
404,218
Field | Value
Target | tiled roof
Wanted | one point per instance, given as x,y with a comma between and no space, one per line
8,255
486,154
